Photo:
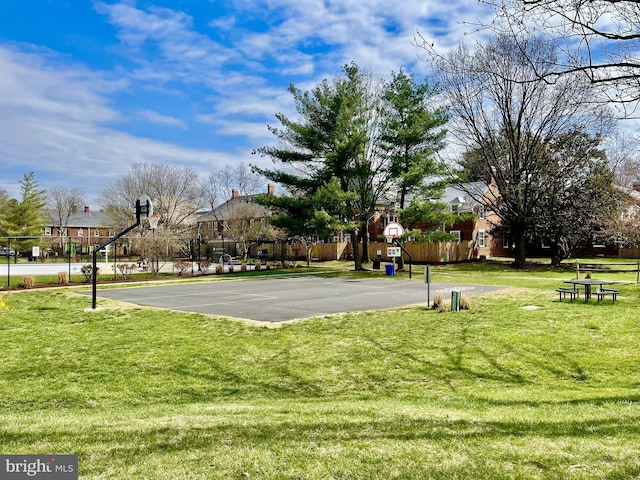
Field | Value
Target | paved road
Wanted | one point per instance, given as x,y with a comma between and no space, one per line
288,297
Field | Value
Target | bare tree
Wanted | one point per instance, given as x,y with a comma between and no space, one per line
499,110
176,195
220,184
62,202
624,160
598,39
174,191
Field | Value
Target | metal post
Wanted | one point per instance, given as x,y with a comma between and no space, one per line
9,263
427,280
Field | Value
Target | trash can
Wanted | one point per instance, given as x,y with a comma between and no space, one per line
446,257
455,300
389,268
376,264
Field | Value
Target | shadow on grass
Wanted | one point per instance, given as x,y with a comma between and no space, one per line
243,430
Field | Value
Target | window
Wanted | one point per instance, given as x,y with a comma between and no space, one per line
65,232
80,233
482,238
505,241
455,208
47,230
96,232
481,213
457,233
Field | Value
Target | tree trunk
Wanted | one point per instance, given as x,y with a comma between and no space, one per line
355,244
309,248
520,258
365,243
555,258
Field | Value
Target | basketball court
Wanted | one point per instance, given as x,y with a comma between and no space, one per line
287,297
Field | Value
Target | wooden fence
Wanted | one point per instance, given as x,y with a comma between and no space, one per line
329,251
429,252
420,252
629,253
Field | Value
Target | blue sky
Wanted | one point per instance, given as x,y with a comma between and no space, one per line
88,88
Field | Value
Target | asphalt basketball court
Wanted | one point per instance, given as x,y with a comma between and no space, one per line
287,297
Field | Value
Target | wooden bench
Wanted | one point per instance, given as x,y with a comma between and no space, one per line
564,291
603,292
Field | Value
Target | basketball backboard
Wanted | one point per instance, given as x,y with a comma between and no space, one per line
393,230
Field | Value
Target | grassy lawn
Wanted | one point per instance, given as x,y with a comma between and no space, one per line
496,392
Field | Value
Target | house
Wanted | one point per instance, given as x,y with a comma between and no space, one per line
477,199
237,217
83,231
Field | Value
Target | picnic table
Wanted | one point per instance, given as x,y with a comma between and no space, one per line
590,282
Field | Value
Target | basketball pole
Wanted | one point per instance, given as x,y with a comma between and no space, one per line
141,210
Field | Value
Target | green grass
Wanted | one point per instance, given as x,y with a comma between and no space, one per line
493,392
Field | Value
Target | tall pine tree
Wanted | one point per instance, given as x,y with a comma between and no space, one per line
25,218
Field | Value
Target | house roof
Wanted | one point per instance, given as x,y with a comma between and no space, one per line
465,193
88,220
242,206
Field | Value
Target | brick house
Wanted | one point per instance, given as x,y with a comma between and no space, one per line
235,216
476,198
84,230
473,198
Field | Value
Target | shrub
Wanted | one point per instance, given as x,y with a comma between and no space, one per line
63,278
126,269
181,266
438,301
205,265
464,302
87,271
29,281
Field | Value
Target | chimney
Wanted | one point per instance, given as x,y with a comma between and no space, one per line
271,189
235,193
74,208
86,209
636,186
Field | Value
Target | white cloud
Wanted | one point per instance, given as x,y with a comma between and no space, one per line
159,119
69,120
55,119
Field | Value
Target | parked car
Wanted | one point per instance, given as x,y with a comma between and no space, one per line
4,251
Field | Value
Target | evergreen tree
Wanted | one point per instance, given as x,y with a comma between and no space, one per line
25,218
412,132
340,137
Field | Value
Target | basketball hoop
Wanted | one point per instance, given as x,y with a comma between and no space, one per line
154,218
393,230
